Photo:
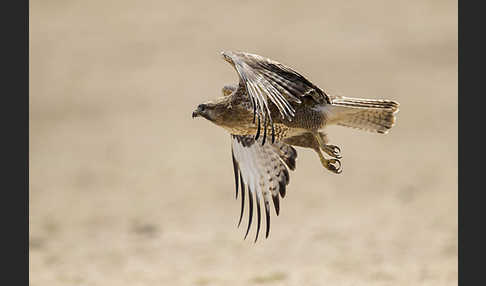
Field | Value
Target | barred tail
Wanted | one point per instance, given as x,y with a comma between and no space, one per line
375,115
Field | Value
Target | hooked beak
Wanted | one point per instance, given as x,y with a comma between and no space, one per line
199,110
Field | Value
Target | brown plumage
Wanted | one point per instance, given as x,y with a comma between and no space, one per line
274,108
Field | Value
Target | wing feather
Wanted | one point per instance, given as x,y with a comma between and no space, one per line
263,170
243,190
250,205
268,81
267,216
235,170
259,215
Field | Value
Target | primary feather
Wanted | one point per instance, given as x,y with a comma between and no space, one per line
263,169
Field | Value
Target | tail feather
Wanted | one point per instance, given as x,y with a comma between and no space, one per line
375,115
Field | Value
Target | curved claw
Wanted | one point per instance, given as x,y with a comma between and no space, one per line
333,151
334,165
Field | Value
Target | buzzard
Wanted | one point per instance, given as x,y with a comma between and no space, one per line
274,108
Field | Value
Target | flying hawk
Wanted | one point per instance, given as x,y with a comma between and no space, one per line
274,108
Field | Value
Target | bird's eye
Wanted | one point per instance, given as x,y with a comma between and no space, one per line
202,107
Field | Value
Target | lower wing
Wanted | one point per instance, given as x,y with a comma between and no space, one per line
263,171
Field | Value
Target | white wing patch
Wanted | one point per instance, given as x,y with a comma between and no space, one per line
263,170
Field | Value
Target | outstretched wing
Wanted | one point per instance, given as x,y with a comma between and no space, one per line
263,171
267,81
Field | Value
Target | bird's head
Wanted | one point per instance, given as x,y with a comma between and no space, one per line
205,110
212,110
222,112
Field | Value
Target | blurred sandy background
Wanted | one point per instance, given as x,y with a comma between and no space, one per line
127,189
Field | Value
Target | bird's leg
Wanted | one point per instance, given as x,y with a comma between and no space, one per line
331,150
315,141
333,165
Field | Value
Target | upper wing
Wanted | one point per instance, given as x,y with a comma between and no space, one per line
265,80
263,170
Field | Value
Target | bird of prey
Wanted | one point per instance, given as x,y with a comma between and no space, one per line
274,108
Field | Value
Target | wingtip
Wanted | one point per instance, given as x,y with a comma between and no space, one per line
243,189
259,217
250,204
226,55
267,216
